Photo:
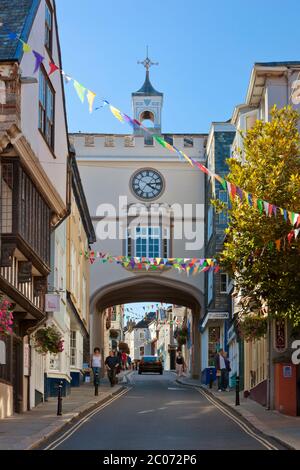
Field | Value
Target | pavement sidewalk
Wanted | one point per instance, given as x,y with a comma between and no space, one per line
26,431
286,429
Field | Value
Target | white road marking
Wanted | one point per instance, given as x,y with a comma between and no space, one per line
144,412
177,389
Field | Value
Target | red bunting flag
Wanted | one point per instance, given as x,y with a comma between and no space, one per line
270,210
53,68
233,191
291,236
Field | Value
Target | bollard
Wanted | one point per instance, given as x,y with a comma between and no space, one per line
211,380
96,383
59,399
237,391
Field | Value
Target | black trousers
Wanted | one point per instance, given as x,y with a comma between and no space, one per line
112,375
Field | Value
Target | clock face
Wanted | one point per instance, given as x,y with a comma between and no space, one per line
147,184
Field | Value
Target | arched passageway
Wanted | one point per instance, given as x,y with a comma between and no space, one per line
148,288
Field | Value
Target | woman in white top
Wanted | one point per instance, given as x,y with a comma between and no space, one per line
96,365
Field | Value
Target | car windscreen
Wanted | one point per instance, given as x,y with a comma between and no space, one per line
150,359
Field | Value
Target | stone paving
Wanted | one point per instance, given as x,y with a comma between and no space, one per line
24,431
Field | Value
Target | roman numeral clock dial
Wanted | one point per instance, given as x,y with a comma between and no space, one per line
147,184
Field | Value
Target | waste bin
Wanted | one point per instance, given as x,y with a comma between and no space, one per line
207,375
286,389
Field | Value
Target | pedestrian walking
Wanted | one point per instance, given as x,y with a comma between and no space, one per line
228,370
111,363
96,362
119,357
221,369
124,360
180,364
129,362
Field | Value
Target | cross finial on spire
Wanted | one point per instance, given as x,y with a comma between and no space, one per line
147,63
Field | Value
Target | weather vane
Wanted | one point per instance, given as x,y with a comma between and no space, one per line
147,63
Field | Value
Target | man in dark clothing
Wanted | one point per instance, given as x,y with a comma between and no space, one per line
221,369
111,363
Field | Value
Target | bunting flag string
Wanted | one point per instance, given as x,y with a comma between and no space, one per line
190,266
80,89
39,59
234,191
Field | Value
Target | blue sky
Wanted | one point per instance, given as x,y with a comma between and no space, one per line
206,50
137,311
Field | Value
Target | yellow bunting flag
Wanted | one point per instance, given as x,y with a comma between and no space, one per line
80,89
91,98
117,113
26,47
187,158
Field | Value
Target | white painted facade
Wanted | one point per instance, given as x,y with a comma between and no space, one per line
58,366
53,163
107,164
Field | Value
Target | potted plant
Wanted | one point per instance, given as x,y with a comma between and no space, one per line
6,317
252,327
48,340
123,347
114,334
182,335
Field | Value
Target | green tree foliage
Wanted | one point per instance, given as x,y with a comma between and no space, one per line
269,169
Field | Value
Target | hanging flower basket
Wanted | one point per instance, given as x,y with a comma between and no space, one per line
253,327
48,340
123,347
182,335
6,317
114,334
181,340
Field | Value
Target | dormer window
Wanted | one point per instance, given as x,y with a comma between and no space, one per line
48,27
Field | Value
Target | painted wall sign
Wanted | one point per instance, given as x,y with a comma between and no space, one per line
280,335
52,303
287,372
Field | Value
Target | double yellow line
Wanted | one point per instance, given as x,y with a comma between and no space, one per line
238,421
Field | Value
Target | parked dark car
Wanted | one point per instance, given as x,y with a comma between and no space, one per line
150,364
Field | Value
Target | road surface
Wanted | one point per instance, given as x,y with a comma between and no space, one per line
156,413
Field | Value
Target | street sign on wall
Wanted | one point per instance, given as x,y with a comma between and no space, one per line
52,303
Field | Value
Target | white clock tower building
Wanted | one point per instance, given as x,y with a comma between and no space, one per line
135,167
147,103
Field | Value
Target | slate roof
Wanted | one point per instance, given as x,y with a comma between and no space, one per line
142,324
16,16
147,88
279,64
145,322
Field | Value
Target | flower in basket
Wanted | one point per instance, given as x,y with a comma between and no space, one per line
6,317
48,340
253,327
